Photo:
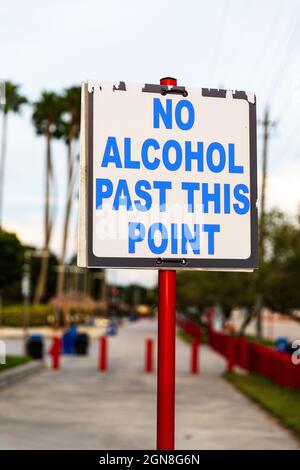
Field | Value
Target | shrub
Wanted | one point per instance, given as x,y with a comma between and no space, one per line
39,315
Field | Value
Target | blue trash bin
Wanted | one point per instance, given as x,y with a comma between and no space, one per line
69,340
35,346
282,344
112,329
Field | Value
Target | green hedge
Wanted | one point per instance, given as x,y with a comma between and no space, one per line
39,315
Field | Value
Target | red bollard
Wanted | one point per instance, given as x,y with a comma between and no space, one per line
103,354
55,353
230,353
149,356
195,357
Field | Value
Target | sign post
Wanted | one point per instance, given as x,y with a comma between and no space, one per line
168,181
165,426
166,360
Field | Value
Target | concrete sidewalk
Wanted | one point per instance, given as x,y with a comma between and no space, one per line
80,408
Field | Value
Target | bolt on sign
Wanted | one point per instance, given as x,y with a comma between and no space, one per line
168,177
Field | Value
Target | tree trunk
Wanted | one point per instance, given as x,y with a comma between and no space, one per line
259,318
1,319
42,280
251,314
61,273
2,162
247,320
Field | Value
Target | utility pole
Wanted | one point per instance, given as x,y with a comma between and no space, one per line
267,124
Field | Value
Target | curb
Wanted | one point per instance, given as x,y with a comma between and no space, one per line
19,373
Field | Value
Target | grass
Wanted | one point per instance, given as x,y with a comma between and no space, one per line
188,338
14,361
283,403
262,341
184,336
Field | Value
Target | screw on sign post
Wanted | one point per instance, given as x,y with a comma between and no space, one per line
166,349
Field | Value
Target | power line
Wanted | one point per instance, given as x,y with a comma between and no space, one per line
258,63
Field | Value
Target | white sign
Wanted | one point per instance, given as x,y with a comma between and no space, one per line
168,177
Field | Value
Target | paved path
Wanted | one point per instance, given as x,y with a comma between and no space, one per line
80,408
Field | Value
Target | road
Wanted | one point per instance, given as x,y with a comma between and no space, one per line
80,408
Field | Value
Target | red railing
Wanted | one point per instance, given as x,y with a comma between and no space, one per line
190,328
257,358
253,357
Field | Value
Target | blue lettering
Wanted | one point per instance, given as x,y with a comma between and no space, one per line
215,146
178,155
164,114
226,198
145,157
211,229
191,115
140,192
157,249
111,153
104,189
194,240
193,155
136,235
174,239
128,163
162,186
211,197
233,168
122,196
239,193
190,187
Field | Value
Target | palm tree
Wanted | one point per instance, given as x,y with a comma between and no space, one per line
46,118
13,103
69,131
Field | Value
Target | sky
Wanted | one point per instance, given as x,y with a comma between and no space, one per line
235,44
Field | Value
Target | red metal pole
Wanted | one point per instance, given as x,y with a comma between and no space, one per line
103,354
194,357
165,427
149,356
166,360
